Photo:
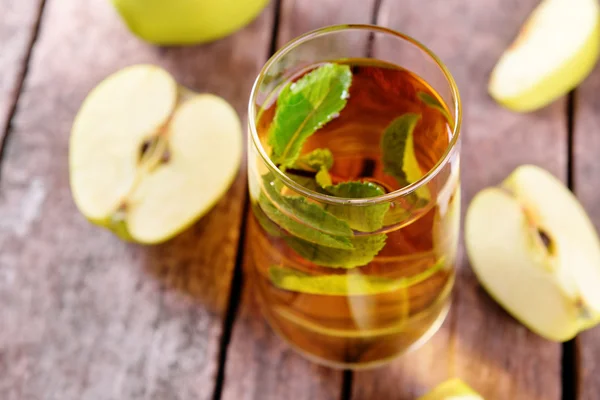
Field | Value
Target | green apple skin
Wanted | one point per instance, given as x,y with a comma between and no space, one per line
184,22
453,389
559,83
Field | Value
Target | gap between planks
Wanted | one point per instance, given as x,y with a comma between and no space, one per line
237,281
4,136
348,375
570,349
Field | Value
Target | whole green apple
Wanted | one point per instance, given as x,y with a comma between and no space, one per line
169,22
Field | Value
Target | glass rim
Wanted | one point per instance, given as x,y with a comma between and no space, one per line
324,198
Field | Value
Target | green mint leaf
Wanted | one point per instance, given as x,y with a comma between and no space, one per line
367,218
323,178
351,283
269,226
299,229
320,160
302,219
308,182
398,152
346,284
315,160
305,106
365,248
303,211
433,102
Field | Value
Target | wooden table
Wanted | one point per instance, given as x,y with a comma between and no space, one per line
86,316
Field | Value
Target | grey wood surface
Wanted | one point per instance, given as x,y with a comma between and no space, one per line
86,316
586,181
18,28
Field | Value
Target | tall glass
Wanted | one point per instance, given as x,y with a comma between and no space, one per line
354,280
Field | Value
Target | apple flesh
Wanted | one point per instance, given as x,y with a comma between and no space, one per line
148,158
556,49
178,22
453,389
534,249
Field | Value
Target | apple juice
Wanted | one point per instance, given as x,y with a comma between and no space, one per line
362,305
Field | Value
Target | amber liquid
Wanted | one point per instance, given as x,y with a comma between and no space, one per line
365,330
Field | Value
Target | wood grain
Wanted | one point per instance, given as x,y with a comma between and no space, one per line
17,31
586,146
260,365
85,316
479,342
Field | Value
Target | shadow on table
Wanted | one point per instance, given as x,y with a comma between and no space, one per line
199,262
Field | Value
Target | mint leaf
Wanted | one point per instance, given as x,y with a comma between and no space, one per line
269,226
346,284
299,229
299,208
308,182
433,102
323,178
305,106
398,152
315,160
365,248
367,218
320,160
351,283
302,219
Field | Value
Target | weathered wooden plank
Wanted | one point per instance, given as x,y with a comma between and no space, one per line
84,315
586,145
478,342
259,364
19,20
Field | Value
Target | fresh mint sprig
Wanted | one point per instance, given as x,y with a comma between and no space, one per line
305,106
325,234
365,218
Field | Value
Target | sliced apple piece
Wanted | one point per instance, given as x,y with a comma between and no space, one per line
148,158
453,389
556,49
534,249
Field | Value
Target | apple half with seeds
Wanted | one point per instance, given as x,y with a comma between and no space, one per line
535,251
452,389
147,158
556,49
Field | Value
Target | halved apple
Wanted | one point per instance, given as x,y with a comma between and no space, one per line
556,49
452,389
534,249
147,158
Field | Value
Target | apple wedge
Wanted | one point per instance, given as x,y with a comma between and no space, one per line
534,249
556,49
148,158
452,389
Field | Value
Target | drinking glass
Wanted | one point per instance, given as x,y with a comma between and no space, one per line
390,291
